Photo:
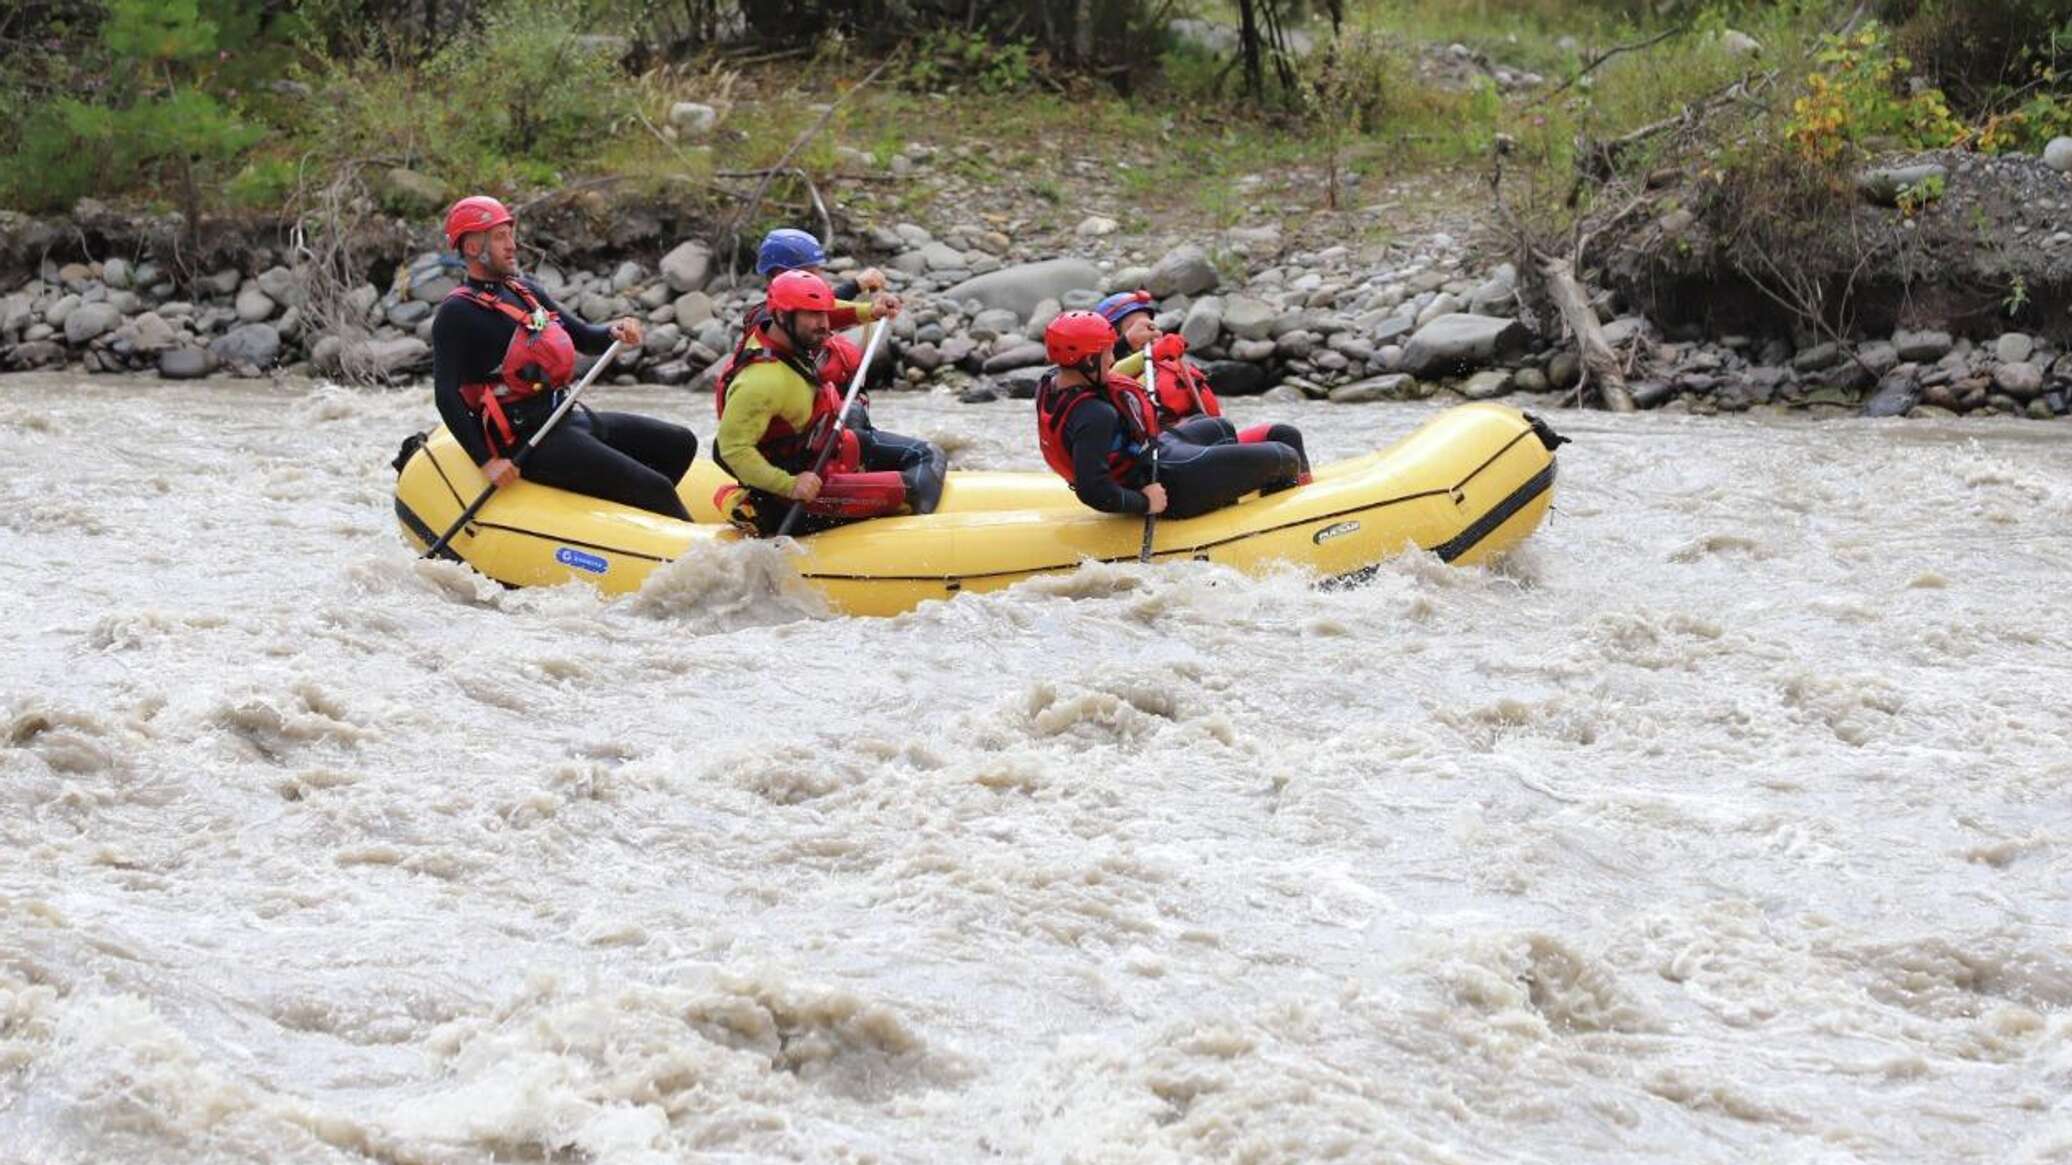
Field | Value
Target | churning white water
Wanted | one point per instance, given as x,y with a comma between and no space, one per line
1728,821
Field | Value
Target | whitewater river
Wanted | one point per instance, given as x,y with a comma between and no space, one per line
1728,821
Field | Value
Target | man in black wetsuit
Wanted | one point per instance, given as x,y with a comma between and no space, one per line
1097,428
503,353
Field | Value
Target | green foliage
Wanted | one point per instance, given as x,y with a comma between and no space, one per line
1858,95
948,60
1926,192
157,120
529,83
263,184
2017,296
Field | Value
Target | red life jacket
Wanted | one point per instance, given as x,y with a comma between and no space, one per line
1183,391
540,358
1055,404
781,445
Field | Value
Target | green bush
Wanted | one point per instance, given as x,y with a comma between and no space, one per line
156,121
527,83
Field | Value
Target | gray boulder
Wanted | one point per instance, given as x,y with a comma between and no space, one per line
1296,345
256,344
254,305
36,354
1127,279
2058,155
692,119
56,314
926,357
944,257
1204,322
186,364
1498,295
693,308
222,282
1879,359
16,313
1621,331
1394,328
1374,388
1460,343
116,273
1487,384
993,323
1921,347
2014,348
1018,356
1252,351
282,286
661,341
413,193
1816,358
1040,319
2021,381
1894,397
1184,270
1021,383
688,266
90,320
149,333
1248,317
1021,288
433,276
1884,186
409,313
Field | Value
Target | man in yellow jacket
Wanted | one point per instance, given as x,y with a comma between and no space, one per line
778,405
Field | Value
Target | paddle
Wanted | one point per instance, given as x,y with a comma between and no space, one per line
834,436
553,419
1150,519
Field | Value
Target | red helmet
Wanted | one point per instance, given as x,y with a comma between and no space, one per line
799,291
1076,337
476,212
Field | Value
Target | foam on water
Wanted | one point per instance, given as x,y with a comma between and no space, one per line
1723,822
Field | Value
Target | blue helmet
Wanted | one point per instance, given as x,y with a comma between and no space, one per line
786,249
1124,304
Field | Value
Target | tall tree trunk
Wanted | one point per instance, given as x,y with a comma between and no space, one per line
1248,40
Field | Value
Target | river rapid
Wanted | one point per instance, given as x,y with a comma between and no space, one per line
1726,821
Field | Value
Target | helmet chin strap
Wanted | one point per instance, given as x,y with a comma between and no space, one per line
784,323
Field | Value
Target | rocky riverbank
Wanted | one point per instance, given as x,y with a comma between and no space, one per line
1262,310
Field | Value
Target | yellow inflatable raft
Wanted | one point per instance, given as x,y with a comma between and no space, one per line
1468,484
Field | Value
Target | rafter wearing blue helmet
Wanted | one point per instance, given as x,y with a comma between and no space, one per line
788,249
1187,406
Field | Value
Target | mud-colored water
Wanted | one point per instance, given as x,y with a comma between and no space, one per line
1727,821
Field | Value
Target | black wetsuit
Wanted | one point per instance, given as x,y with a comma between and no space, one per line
621,457
1197,477
1205,430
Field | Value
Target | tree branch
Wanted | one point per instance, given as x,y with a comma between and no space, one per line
755,201
1599,60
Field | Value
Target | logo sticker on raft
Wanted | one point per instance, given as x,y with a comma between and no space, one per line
568,556
1338,531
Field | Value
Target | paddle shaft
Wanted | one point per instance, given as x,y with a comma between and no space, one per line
1150,518
834,435
553,419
